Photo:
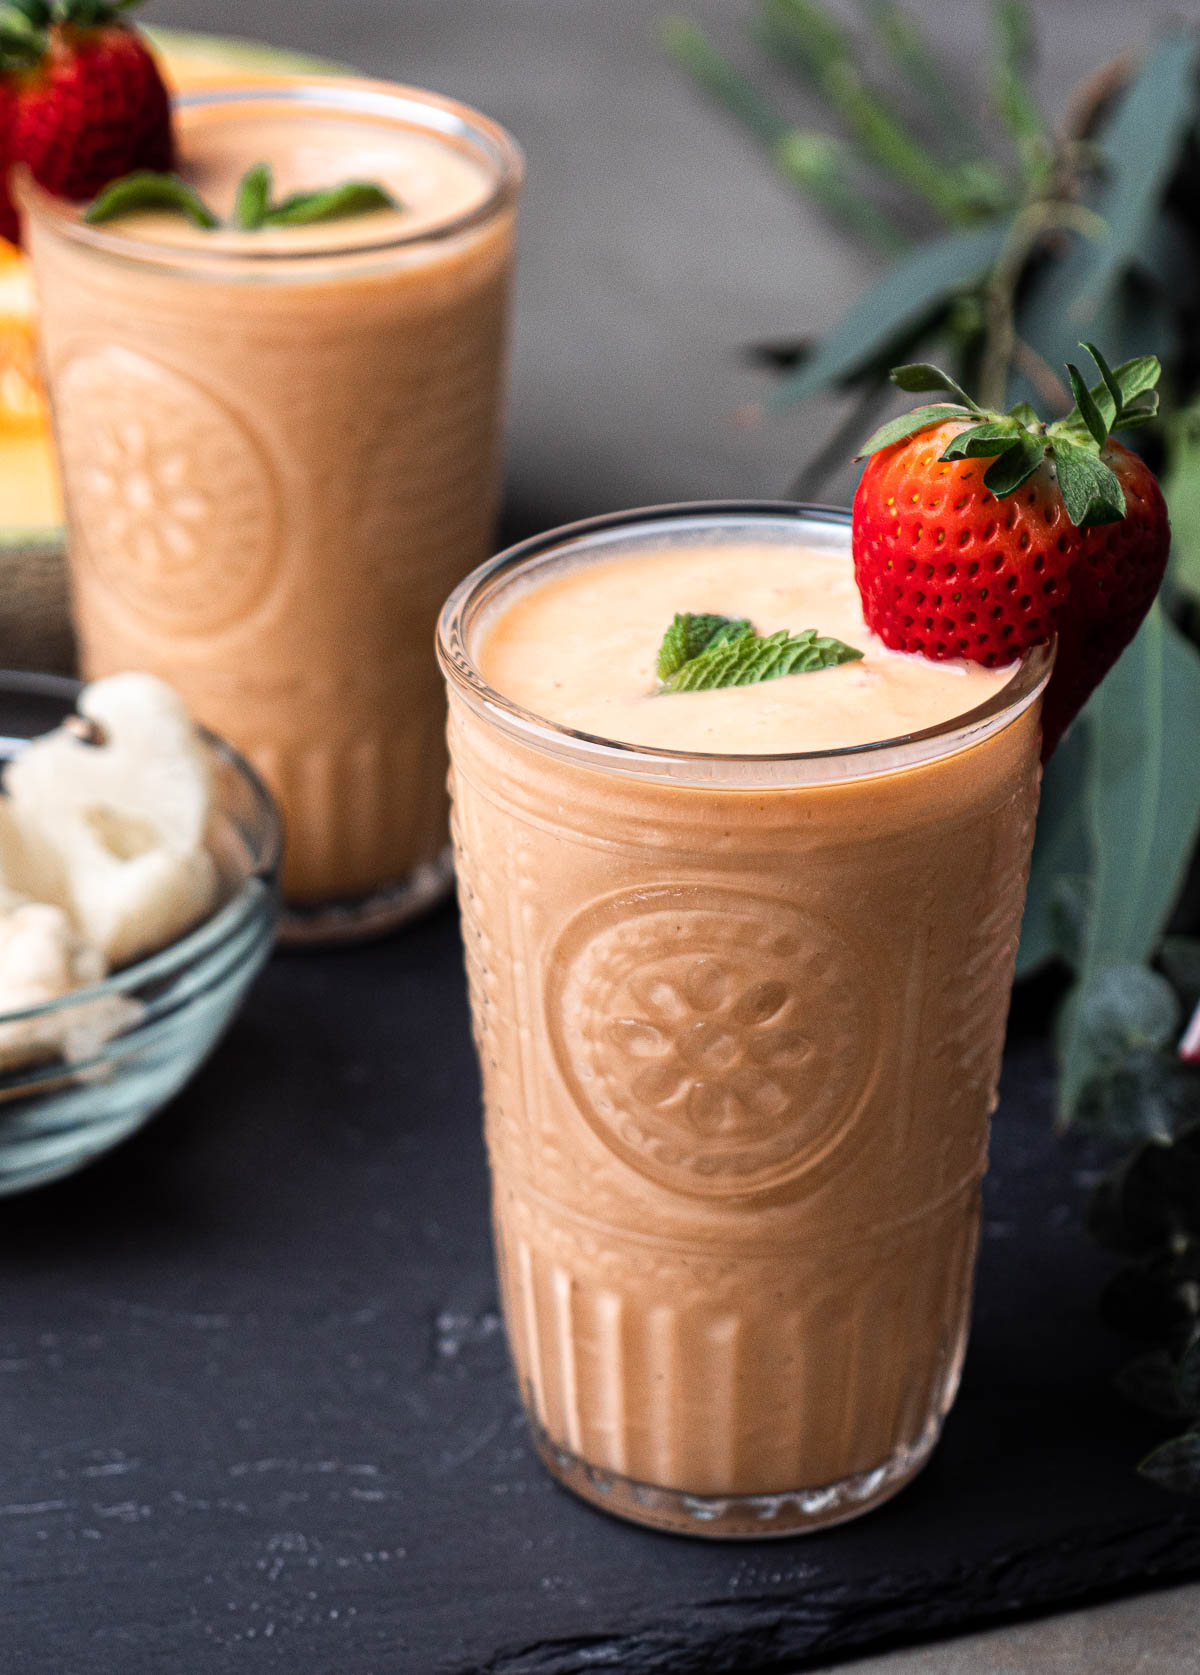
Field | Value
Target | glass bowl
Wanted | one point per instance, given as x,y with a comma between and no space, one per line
139,1035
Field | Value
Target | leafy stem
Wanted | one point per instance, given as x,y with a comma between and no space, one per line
1030,228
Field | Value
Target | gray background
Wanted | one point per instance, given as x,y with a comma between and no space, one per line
656,239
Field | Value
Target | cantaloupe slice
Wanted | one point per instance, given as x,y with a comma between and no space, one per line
34,626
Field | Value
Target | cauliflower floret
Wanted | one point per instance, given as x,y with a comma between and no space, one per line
43,958
113,830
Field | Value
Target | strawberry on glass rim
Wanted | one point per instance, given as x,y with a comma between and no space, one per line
82,100
979,534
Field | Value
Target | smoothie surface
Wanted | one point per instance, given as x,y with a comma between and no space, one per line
578,648
433,181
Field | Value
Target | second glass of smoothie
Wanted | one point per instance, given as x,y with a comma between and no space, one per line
740,963
280,449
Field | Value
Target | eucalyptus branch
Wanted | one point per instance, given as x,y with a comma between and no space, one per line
1030,227
800,34
1037,369
691,47
816,163
910,51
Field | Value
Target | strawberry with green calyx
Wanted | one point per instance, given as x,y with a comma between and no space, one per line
82,100
979,534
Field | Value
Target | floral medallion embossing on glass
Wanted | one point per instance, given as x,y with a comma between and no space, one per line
139,438
680,1022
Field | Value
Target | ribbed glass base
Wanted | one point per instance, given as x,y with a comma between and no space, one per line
736,1517
374,915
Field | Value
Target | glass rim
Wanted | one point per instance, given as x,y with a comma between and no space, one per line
413,106
857,761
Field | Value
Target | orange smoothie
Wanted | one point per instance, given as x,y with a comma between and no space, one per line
280,449
740,963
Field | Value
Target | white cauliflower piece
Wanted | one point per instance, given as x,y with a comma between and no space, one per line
43,958
117,827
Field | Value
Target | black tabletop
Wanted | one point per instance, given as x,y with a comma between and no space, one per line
257,1410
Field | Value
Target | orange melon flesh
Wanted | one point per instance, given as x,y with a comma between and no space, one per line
30,500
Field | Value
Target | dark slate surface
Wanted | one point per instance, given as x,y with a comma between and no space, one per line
256,1411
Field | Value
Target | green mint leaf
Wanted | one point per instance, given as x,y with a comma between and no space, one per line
1024,414
1088,411
1090,490
752,658
693,632
1176,1464
1133,377
352,197
144,189
253,198
1107,397
921,418
1014,466
922,376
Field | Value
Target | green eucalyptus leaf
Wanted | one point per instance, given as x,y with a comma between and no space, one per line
1175,1465
1125,1009
1141,795
1181,486
1062,850
1015,465
913,290
1089,412
146,189
1070,908
907,424
1141,145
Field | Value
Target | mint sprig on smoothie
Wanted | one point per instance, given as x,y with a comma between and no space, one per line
254,208
701,651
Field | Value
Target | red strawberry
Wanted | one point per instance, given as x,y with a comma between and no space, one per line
83,101
980,534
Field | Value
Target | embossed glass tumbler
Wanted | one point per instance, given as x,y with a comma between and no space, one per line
281,449
740,1023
